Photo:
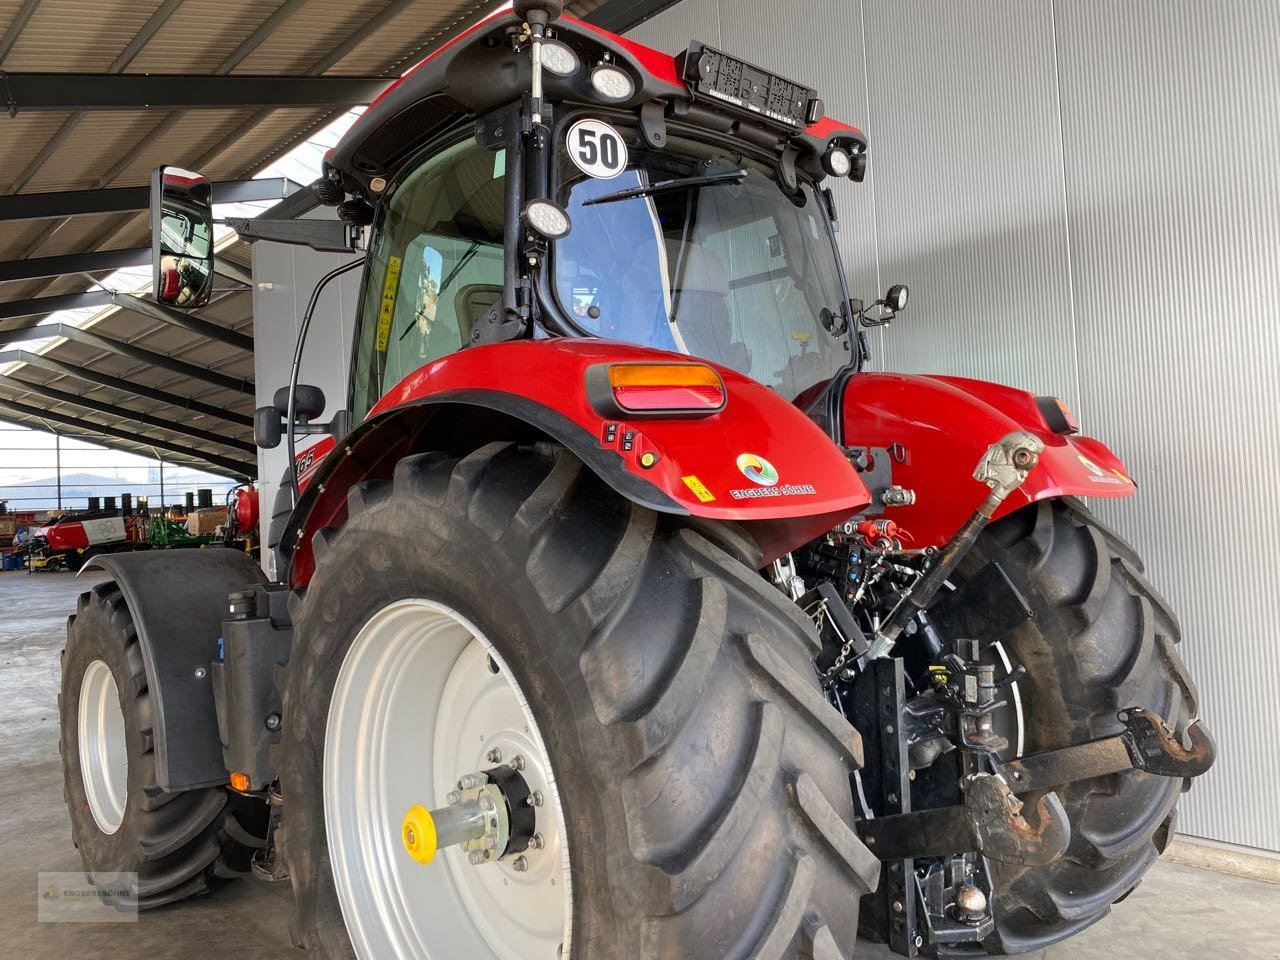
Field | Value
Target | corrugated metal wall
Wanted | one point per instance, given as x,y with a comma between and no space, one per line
1084,198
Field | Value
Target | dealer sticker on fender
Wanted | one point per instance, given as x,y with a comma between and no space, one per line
763,473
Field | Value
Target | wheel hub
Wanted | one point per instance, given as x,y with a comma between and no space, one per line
489,816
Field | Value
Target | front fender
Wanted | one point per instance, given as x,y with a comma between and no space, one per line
178,600
941,426
543,384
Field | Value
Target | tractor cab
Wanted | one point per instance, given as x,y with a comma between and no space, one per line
540,177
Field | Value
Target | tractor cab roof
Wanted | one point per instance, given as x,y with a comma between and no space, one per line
478,72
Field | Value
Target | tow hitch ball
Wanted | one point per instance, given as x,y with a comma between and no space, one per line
491,815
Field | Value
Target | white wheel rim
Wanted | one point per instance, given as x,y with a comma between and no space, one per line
415,707
104,756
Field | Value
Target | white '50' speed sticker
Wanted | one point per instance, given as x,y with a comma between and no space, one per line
597,149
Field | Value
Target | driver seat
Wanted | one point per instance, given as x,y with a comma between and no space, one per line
703,315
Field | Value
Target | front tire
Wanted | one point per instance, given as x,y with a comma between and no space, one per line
180,844
1101,639
704,780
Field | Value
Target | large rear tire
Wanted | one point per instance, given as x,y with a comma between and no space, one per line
180,844
703,779
1101,639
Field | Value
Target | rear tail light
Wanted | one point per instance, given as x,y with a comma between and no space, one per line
681,389
1057,415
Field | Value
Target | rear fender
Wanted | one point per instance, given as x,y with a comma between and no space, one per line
537,389
941,427
178,600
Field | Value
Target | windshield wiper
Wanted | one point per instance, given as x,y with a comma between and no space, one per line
664,186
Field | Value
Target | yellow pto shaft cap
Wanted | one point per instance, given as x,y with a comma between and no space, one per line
419,833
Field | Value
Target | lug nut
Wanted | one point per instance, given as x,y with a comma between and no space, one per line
494,755
535,798
520,864
517,762
475,857
536,842
453,797
486,803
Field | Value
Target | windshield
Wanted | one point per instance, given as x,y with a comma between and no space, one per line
732,271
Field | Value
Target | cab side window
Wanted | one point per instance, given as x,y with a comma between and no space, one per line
434,270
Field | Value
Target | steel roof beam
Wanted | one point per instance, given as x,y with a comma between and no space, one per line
89,375
72,203
138,354
9,309
16,26
618,16
147,308
34,268
124,413
34,92
187,321
231,270
238,468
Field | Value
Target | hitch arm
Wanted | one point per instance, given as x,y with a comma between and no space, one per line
1003,468
1146,743
990,821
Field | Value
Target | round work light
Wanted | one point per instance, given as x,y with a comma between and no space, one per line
559,59
547,219
611,83
837,162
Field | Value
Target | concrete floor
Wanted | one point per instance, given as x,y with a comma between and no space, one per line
1178,912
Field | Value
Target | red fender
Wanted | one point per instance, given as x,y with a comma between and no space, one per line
943,425
810,488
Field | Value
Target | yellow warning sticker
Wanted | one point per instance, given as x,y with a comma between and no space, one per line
699,488
387,308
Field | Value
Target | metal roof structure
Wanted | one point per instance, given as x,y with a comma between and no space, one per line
98,93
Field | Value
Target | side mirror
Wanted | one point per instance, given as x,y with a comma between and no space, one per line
181,238
308,402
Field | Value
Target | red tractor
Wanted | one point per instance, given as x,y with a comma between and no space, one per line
622,613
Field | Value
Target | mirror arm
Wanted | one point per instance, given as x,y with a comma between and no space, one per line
269,431
326,236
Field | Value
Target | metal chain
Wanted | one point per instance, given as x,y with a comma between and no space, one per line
840,660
